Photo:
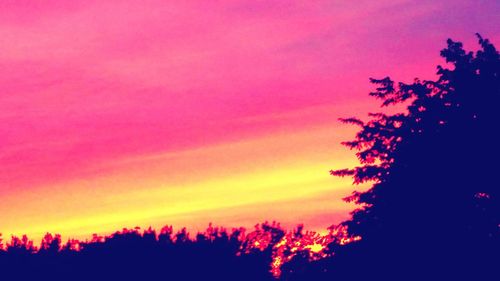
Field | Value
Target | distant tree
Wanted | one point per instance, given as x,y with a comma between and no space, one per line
51,243
433,211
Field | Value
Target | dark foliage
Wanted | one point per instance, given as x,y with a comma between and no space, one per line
133,255
433,211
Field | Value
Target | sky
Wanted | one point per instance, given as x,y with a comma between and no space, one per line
135,113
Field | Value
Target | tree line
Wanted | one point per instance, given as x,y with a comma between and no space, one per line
432,211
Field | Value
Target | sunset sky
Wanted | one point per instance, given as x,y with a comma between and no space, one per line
139,112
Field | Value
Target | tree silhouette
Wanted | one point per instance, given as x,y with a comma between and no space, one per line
433,210
132,254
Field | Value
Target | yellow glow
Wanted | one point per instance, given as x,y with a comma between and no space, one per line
238,183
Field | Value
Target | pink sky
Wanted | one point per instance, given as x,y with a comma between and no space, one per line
123,113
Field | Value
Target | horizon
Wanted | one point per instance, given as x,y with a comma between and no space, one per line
124,114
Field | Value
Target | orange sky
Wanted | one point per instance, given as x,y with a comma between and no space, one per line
154,112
